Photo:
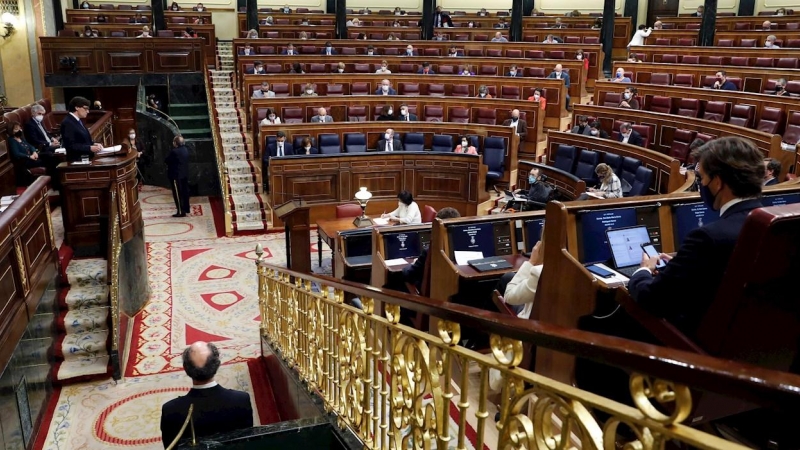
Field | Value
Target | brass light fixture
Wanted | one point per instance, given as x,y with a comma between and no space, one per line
363,196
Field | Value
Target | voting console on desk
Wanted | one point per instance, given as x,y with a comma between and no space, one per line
479,240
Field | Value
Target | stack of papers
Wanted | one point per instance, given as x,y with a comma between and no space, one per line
463,258
109,150
379,221
395,262
60,151
6,201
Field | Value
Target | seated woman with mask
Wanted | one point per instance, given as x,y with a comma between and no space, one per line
270,118
465,147
610,186
407,211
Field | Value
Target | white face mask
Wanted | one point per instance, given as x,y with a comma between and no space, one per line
409,51
482,94
387,136
627,96
370,54
38,118
594,132
132,136
341,70
403,112
578,56
272,117
308,147
536,96
309,91
512,72
385,88
390,112
463,143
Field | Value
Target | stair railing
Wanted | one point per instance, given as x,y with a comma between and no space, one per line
222,169
395,386
112,279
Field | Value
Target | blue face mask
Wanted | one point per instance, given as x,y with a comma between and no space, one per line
707,196
531,179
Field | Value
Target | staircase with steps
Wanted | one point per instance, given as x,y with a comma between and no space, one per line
249,210
192,120
81,349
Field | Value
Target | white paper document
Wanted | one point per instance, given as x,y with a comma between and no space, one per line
379,221
463,258
395,262
60,151
109,150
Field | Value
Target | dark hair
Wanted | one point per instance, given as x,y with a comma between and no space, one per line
306,140
775,166
328,44
87,28
722,72
405,197
270,111
642,27
386,108
206,372
281,134
447,213
14,123
464,136
257,63
297,68
696,144
78,102
595,124
582,119
426,64
737,162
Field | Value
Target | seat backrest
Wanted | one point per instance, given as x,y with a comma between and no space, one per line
587,161
357,114
281,89
792,133
690,59
688,107
347,210
355,143
681,140
293,114
334,89
641,182
509,92
165,33
488,70
716,111
742,115
739,61
566,156
436,90
686,42
459,114
534,54
460,90
684,79
662,41
661,78
513,53
669,59
414,142
428,214
536,72
771,120
494,155
486,116
329,144
661,104
317,68
629,166
612,99
614,161
359,89
442,143
446,69
747,42
362,68
646,131
409,88
765,62
787,63
433,113
494,52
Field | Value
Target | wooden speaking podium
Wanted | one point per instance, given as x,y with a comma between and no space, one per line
295,218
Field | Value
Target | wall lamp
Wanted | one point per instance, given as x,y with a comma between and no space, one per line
7,28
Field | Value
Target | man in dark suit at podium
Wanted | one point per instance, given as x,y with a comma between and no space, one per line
216,409
74,135
178,174
731,172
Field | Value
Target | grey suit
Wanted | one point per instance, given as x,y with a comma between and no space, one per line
397,146
322,119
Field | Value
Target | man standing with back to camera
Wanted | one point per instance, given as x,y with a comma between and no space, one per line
178,174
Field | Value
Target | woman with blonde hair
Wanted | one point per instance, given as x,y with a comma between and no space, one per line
610,186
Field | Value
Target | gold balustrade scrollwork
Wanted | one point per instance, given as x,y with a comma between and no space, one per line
397,387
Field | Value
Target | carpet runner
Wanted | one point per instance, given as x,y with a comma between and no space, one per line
81,349
248,209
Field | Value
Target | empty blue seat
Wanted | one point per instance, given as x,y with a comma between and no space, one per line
329,144
494,156
355,143
614,161
442,143
629,167
587,161
414,142
565,158
641,182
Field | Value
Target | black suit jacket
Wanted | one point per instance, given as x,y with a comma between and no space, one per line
35,137
397,146
75,138
216,410
768,183
635,139
302,151
177,163
522,127
446,20
272,150
325,52
413,273
682,291
411,118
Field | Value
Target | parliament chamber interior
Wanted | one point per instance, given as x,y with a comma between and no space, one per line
426,224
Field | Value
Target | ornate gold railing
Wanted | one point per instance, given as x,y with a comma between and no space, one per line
393,385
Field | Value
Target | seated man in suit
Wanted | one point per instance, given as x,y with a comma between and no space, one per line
405,114
413,274
216,409
289,50
264,91
441,20
328,50
514,72
619,76
322,116
75,136
390,142
385,88
247,50
410,51
723,83
582,127
773,171
257,69
281,147
36,134
426,69
730,173
559,74
520,127
700,10
628,135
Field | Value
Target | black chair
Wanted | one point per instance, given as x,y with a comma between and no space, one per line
614,161
355,143
565,158
414,142
587,161
442,143
641,183
629,167
329,144
494,152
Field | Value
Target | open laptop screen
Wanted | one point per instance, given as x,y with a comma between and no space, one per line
626,245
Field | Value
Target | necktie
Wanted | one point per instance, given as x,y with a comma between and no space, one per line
280,150
390,145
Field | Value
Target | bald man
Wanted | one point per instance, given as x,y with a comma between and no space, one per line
519,125
559,74
216,409
322,116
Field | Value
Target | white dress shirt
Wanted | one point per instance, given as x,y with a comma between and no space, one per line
407,213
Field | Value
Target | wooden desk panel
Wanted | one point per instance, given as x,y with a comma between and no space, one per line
727,23
654,53
666,169
735,36
592,51
760,101
123,55
754,79
577,88
338,106
113,14
554,89
665,125
380,271
568,185
324,181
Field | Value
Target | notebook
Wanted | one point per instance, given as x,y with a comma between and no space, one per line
626,248
491,263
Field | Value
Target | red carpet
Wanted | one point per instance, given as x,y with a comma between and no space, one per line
263,395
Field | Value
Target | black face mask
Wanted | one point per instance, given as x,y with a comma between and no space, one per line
18,134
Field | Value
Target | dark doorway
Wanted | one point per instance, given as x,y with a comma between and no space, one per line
664,8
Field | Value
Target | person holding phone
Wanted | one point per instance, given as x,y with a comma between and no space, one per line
519,288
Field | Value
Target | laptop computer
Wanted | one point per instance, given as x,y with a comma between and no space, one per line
626,248
491,263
